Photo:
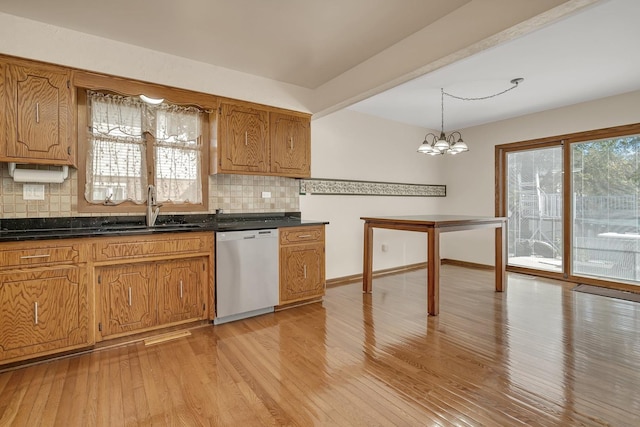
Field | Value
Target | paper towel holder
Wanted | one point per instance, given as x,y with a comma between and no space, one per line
37,175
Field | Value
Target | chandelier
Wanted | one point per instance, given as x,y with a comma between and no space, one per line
453,143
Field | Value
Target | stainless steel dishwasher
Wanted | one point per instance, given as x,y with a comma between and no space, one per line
246,274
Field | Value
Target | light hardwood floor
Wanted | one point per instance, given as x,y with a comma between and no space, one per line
537,354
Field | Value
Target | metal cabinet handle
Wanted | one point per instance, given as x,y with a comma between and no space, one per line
129,296
246,138
305,271
180,289
37,112
35,313
35,256
291,143
304,236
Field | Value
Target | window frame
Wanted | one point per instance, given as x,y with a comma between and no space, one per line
84,81
565,141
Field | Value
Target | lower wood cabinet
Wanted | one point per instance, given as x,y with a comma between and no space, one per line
302,264
182,286
45,298
43,311
146,295
128,300
149,282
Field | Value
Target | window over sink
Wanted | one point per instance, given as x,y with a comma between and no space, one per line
130,144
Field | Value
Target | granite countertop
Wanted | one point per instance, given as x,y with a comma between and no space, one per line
71,227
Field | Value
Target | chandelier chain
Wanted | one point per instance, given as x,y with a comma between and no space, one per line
515,83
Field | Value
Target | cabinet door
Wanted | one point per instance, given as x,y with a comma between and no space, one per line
301,272
128,298
181,290
243,139
290,145
42,311
37,115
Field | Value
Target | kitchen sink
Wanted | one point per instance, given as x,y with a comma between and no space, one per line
137,228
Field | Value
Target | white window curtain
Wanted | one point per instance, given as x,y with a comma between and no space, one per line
177,153
122,130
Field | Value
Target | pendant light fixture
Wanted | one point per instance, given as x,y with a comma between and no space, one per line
453,143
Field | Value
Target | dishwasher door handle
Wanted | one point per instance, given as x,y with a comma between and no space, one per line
249,237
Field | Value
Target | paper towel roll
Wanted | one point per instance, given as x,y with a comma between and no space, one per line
35,175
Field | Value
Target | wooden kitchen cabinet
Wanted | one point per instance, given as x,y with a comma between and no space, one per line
302,263
149,282
182,286
243,139
261,140
128,299
44,299
290,145
38,114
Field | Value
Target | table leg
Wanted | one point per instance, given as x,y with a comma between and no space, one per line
367,264
501,259
433,271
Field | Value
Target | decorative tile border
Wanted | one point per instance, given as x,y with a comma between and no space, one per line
369,188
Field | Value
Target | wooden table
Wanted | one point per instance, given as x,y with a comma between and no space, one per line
433,225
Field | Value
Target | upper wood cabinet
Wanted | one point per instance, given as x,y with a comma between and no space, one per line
243,144
290,145
38,114
259,140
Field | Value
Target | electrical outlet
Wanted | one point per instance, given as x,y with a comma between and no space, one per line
33,191
266,194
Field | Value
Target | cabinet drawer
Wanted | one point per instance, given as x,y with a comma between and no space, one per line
296,235
41,254
160,245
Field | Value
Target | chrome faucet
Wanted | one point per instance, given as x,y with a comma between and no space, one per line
152,214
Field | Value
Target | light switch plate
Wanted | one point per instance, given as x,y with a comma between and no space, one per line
33,191
266,194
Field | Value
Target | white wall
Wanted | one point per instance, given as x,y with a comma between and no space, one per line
351,145
470,177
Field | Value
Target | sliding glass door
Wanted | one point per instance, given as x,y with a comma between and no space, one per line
534,206
573,206
606,222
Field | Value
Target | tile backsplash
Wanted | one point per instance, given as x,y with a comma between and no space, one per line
243,193
231,193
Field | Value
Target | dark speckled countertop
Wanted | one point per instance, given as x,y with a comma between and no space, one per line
71,227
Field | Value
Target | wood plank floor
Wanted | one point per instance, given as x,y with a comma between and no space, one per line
535,355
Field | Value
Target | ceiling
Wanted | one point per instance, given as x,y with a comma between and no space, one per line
587,55
306,43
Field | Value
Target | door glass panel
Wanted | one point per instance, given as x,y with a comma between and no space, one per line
605,202
534,208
